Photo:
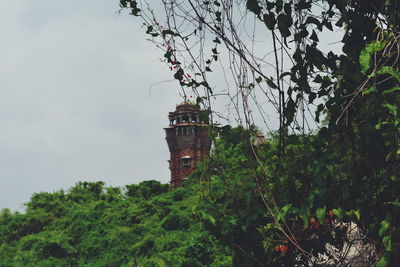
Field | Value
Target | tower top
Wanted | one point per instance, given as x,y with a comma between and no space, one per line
186,103
186,113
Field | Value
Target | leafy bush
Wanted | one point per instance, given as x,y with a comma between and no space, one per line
91,225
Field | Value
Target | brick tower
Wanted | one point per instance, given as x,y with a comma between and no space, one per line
188,141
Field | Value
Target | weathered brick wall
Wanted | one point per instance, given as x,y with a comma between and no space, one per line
187,137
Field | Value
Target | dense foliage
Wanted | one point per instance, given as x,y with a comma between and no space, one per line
331,197
91,225
241,207
273,212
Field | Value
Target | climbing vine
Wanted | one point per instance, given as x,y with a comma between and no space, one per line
328,181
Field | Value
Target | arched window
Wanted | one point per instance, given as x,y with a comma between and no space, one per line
186,161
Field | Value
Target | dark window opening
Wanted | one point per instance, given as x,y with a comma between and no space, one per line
186,162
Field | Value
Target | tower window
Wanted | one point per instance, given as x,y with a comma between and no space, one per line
186,161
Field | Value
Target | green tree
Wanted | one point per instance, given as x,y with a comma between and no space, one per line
347,172
107,226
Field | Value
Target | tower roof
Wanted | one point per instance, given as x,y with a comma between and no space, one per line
187,107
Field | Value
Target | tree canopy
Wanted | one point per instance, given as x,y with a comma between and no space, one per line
333,176
94,225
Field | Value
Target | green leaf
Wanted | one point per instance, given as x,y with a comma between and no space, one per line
327,24
279,5
372,89
388,70
286,208
321,213
290,110
270,5
338,213
304,214
284,23
133,5
367,52
384,227
395,203
269,20
283,211
206,85
179,75
302,5
208,218
288,9
123,3
233,221
383,262
392,109
300,35
205,115
271,83
316,56
149,29
312,20
216,40
283,75
320,108
314,36
387,242
311,97
355,213
218,16
168,32
253,6
397,88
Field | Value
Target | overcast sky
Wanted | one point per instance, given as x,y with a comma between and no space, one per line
75,102
84,97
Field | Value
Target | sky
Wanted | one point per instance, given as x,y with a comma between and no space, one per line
83,97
